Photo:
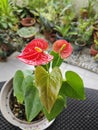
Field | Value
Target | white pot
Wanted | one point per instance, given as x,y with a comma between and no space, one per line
9,116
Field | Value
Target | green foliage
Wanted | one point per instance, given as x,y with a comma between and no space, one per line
34,4
17,83
73,86
27,7
90,8
57,59
65,16
26,92
48,85
31,99
49,12
85,29
6,48
46,91
96,40
63,30
59,105
7,17
27,32
45,23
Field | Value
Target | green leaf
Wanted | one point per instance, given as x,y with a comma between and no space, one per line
31,98
17,85
73,86
48,85
46,66
57,61
28,72
4,25
57,108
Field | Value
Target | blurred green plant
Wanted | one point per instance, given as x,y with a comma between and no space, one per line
7,17
85,29
96,40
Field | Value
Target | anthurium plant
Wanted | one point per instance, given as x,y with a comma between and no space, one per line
45,89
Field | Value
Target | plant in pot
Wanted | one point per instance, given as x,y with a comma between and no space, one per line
27,32
64,24
27,22
84,32
67,32
89,10
43,91
62,31
94,47
6,48
47,29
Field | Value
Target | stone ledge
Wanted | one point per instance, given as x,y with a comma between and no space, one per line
84,60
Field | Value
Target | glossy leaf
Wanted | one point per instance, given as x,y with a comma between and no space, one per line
59,105
73,87
31,98
48,85
28,72
57,61
17,85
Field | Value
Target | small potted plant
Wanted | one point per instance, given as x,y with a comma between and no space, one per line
6,48
84,32
94,47
43,90
89,10
27,22
27,32
47,29
62,31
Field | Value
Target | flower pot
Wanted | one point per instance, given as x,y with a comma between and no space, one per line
93,51
10,117
50,36
79,45
27,22
59,37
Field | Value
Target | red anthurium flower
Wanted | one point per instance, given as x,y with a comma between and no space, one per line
34,54
63,48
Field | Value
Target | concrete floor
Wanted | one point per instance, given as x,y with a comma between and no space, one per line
7,70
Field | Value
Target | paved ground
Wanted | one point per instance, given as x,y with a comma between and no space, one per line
7,70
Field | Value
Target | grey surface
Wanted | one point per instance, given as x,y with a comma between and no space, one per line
84,60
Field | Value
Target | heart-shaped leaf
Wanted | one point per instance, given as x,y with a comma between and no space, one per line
73,86
57,108
17,85
27,72
31,98
48,85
